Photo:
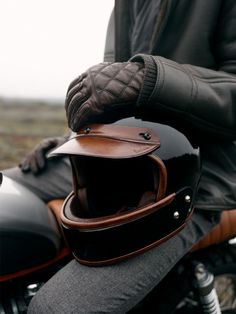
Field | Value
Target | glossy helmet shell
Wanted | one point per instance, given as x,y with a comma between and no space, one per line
128,195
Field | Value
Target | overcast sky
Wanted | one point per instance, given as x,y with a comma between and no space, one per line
47,43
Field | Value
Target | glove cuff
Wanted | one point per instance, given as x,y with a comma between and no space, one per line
150,75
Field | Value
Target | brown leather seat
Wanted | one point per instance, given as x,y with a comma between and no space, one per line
55,207
225,230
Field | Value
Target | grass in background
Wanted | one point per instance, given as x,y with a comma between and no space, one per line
25,124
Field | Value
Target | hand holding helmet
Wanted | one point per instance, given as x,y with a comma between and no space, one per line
105,93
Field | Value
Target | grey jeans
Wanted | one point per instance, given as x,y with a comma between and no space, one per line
109,289
54,182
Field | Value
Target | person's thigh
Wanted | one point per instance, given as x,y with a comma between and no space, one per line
54,182
116,288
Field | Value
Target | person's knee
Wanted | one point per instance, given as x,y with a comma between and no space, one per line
38,306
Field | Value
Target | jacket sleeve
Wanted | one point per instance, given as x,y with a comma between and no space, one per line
192,97
109,52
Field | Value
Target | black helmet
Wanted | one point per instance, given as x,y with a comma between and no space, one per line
134,186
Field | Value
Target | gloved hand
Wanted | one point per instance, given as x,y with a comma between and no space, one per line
35,161
105,93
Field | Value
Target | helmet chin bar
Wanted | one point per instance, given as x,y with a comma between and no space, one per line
109,239
110,243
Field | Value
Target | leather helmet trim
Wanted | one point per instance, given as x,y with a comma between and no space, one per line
110,141
110,221
111,244
110,261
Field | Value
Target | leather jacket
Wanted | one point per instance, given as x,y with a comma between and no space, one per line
190,82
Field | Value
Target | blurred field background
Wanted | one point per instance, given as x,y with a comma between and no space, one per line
24,123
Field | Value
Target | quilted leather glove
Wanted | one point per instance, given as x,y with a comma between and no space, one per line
105,93
35,161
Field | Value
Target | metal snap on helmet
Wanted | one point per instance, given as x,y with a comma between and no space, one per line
134,186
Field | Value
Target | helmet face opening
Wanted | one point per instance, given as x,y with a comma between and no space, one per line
108,186
131,192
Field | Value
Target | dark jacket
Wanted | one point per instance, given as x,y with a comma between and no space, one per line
190,82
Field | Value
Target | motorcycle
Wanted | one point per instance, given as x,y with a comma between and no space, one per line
33,248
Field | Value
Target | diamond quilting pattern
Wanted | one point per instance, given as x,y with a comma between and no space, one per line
119,81
105,93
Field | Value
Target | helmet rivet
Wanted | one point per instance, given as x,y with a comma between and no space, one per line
176,215
146,135
87,130
187,199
